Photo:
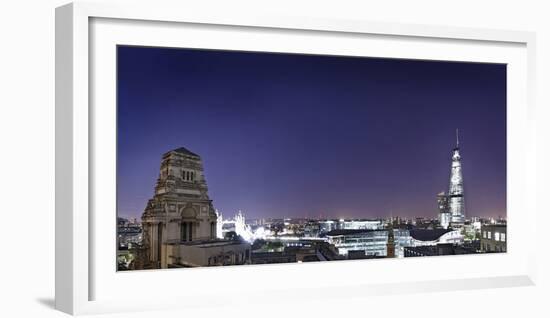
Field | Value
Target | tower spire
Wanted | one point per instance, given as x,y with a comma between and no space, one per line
456,187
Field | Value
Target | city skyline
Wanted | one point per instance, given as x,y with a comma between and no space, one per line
286,135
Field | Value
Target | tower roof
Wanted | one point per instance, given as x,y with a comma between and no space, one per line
184,151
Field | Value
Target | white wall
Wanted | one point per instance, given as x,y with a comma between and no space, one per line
27,140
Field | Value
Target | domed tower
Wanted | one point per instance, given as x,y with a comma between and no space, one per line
456,187
180,210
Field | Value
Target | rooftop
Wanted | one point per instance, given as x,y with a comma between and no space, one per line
428,234
349,232
184,151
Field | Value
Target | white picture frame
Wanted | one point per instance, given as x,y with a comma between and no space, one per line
84,39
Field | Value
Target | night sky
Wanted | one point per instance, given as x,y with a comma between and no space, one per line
287,135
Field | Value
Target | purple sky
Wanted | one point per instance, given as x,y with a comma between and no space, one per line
285,135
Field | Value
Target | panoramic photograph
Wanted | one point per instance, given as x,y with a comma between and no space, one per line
246,158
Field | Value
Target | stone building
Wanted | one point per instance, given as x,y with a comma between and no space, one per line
180,223
493,238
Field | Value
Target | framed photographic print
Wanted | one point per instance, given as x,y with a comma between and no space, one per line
218,152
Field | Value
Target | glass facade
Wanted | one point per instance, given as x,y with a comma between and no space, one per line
456,189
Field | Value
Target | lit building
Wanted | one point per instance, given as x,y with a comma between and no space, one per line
443,206
128,235
327,226
312,229
377,242
437,250
373,242
361,224
456,188
180,224
493,238
427,237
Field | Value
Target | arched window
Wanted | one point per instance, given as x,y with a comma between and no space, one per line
183,231
213,230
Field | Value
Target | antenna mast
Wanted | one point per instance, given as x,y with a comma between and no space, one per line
457,137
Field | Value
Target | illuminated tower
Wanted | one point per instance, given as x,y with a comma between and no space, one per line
180,209
456,187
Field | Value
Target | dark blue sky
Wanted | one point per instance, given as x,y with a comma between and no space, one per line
302,135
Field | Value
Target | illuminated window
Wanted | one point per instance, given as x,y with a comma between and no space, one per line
503,237
497,236
484,234
489,235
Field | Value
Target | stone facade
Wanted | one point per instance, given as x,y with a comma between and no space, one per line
180,211
493,238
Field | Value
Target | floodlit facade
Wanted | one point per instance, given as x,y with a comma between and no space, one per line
180,224
326,226
373,242
376,242
361,224
456,188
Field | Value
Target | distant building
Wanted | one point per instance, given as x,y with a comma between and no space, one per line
378,242
312,229
444,213
129,234
360,224
493,238
327,226
437,250
373,242
180,224
456,188
425,237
